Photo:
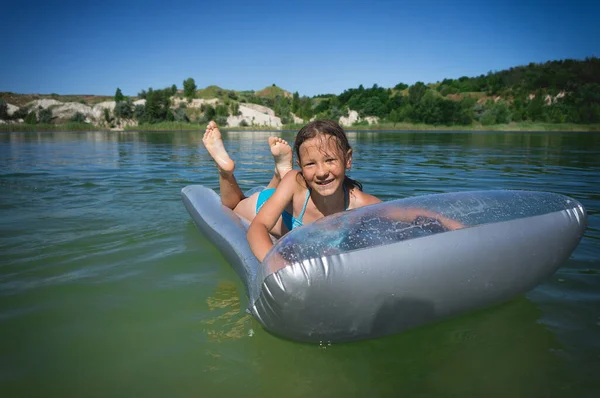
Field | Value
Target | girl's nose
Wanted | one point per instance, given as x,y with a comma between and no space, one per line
322,171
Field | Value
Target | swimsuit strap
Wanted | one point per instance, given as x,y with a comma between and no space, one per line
346,197
299,218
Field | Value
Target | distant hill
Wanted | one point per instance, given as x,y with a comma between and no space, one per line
564,91
272,92
23,99
553,76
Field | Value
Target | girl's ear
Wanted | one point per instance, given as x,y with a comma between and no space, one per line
349,159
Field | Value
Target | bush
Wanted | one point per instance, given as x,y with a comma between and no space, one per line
31,118
244,123
222,110
180,115
123,109
139,112
235,109
3,110
20,113
209,112
221,120
488,118
78,117
107,115
362,122
45,116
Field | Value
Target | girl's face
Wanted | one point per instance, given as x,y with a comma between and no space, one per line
322,164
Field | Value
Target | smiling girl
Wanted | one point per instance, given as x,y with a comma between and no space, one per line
320,188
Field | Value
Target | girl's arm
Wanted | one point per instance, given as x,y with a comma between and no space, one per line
258,232
410,214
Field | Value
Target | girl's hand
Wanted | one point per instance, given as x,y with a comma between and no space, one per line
274,262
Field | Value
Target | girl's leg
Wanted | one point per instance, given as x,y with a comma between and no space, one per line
282,155
231,194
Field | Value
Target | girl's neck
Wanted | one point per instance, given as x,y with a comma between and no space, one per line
328,205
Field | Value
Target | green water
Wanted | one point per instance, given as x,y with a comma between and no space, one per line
107,289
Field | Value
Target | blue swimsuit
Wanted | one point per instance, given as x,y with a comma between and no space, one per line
289,220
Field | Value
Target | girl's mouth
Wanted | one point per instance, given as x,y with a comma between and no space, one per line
327,182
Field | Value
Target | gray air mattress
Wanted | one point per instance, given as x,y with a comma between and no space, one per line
361,274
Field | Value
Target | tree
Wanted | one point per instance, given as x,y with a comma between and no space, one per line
394,117
416,92
295,102
107,115
173,89
535,108
157,106
189,88
119,95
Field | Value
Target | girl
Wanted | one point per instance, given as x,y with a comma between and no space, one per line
320,188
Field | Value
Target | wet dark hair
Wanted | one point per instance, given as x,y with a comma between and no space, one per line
333,130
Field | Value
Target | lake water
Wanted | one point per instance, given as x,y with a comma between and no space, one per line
107,289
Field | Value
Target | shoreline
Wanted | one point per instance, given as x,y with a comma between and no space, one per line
383,127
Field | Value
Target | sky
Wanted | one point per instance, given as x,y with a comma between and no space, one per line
312,47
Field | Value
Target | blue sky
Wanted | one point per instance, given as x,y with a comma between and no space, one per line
313,47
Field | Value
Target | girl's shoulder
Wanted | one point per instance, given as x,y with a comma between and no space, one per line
293,181
359,199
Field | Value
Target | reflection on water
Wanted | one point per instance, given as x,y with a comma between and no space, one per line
108,289
231,323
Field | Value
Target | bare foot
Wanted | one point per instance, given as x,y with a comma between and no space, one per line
214,144
282,154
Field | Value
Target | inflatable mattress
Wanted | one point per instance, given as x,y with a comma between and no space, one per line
362,274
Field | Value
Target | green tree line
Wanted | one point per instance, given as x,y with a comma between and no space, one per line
566,91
